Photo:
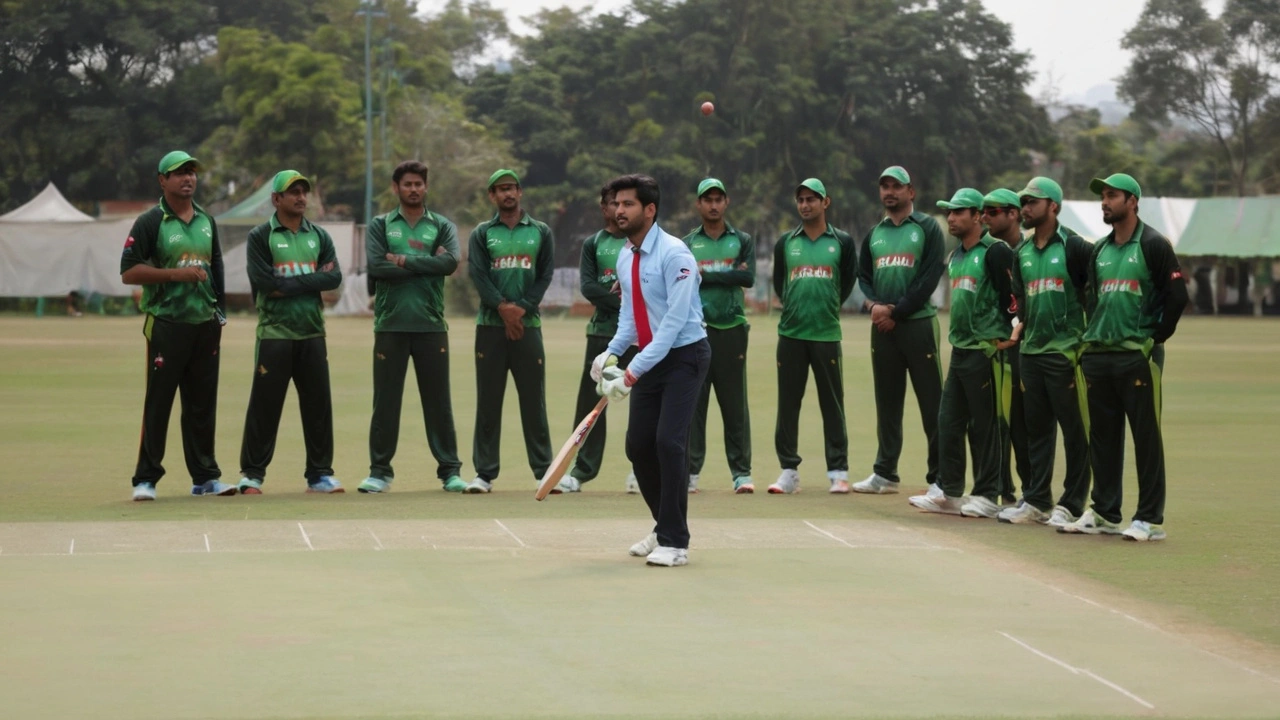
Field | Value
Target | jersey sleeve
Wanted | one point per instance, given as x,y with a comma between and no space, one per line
932,265
1170,298
141,243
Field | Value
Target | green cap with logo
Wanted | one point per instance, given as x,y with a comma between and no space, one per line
964,198
286,179
499,174
813,184
175,160
1119,181
710,184
1043,188
1001,197
897,172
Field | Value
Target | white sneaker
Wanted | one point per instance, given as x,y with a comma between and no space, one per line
693,484
479,485
839,481
645,546
631,486
939,503
668,557
1090,524
876,485
979,507
1022,514
569,484
144,491
1143,531
788,482
1060,517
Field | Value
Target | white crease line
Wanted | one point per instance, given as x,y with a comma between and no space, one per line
833,537
375,539
206,543
304,536
72,551
924,546
508,531
1081,671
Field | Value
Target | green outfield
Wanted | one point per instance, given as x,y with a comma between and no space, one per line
422,603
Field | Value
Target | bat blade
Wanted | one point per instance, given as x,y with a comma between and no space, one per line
569,450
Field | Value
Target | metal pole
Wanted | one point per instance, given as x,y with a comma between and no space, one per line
368,115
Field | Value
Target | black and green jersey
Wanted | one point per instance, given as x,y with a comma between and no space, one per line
900,265
410,298
727,264
511,265
597,274
162,239
813,278
981,294
1048,289
286,279
1136,292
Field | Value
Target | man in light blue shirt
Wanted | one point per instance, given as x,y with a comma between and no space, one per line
661,313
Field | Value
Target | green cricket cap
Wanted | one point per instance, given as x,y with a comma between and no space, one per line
1000,197
286,179
710,184
964,198
1118,181
1044,188
897,172
499,174
175,160
815,185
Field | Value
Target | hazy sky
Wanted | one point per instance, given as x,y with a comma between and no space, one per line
1076,42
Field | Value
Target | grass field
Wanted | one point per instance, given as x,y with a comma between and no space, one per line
70,403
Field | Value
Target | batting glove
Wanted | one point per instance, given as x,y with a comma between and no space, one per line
616,384
602,361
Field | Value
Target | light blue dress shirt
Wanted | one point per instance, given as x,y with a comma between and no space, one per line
669,278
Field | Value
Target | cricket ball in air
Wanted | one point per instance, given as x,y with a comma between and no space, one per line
708,108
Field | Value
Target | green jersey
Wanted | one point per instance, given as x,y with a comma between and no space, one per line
162,239
511,265
287,275
813,278
1048,289
981,294
597,275
901,265
727,264
410,298
1136,292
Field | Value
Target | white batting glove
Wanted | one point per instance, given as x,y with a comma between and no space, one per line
616,384
602,361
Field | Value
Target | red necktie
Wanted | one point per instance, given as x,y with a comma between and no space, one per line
638,309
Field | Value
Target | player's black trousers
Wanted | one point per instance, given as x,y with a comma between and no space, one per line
525,360
586,466
910,349
430,353
971,404
1125,385
276,363
181,358
1054,396
1013,431
795,358
728,375
662,405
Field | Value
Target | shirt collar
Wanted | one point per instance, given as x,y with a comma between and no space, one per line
728,230
800,231
169,213
915,217
524,218
1137,233
394,214
304,227
650,241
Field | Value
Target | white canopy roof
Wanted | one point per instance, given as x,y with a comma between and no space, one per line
47,207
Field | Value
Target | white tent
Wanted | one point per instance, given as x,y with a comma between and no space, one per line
47,207
49,248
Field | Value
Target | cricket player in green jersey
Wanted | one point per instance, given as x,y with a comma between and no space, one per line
1050,274
290,261
598,279
409,252
173,253
814,269
902,259
726,260
980,270
1136,296
1001,214
511,262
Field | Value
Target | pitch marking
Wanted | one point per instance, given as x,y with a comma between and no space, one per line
304,537
508,531
1081,671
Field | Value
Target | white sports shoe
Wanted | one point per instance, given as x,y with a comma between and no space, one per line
939,503
979,507
693,484
632,486
479,485
1060,517
144,491
1023,513
569,484
876,485
1090,524
839,481
668,557
645,546
788,482
1143,531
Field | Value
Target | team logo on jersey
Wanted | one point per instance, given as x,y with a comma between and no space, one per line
128,243
899,260
1027,264
878,241
1126,286
1035,287
684,274
1054,261
965,282
394,234
159,362
175,238
294,269
208,232
807,272
1133,259
715,265
513,262
1103,263
915,236
311,244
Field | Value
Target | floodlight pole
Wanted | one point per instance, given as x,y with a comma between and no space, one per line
368,11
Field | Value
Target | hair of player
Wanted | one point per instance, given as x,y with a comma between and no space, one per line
409,166
646,188
606,192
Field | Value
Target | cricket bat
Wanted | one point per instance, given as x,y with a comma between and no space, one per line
560,464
